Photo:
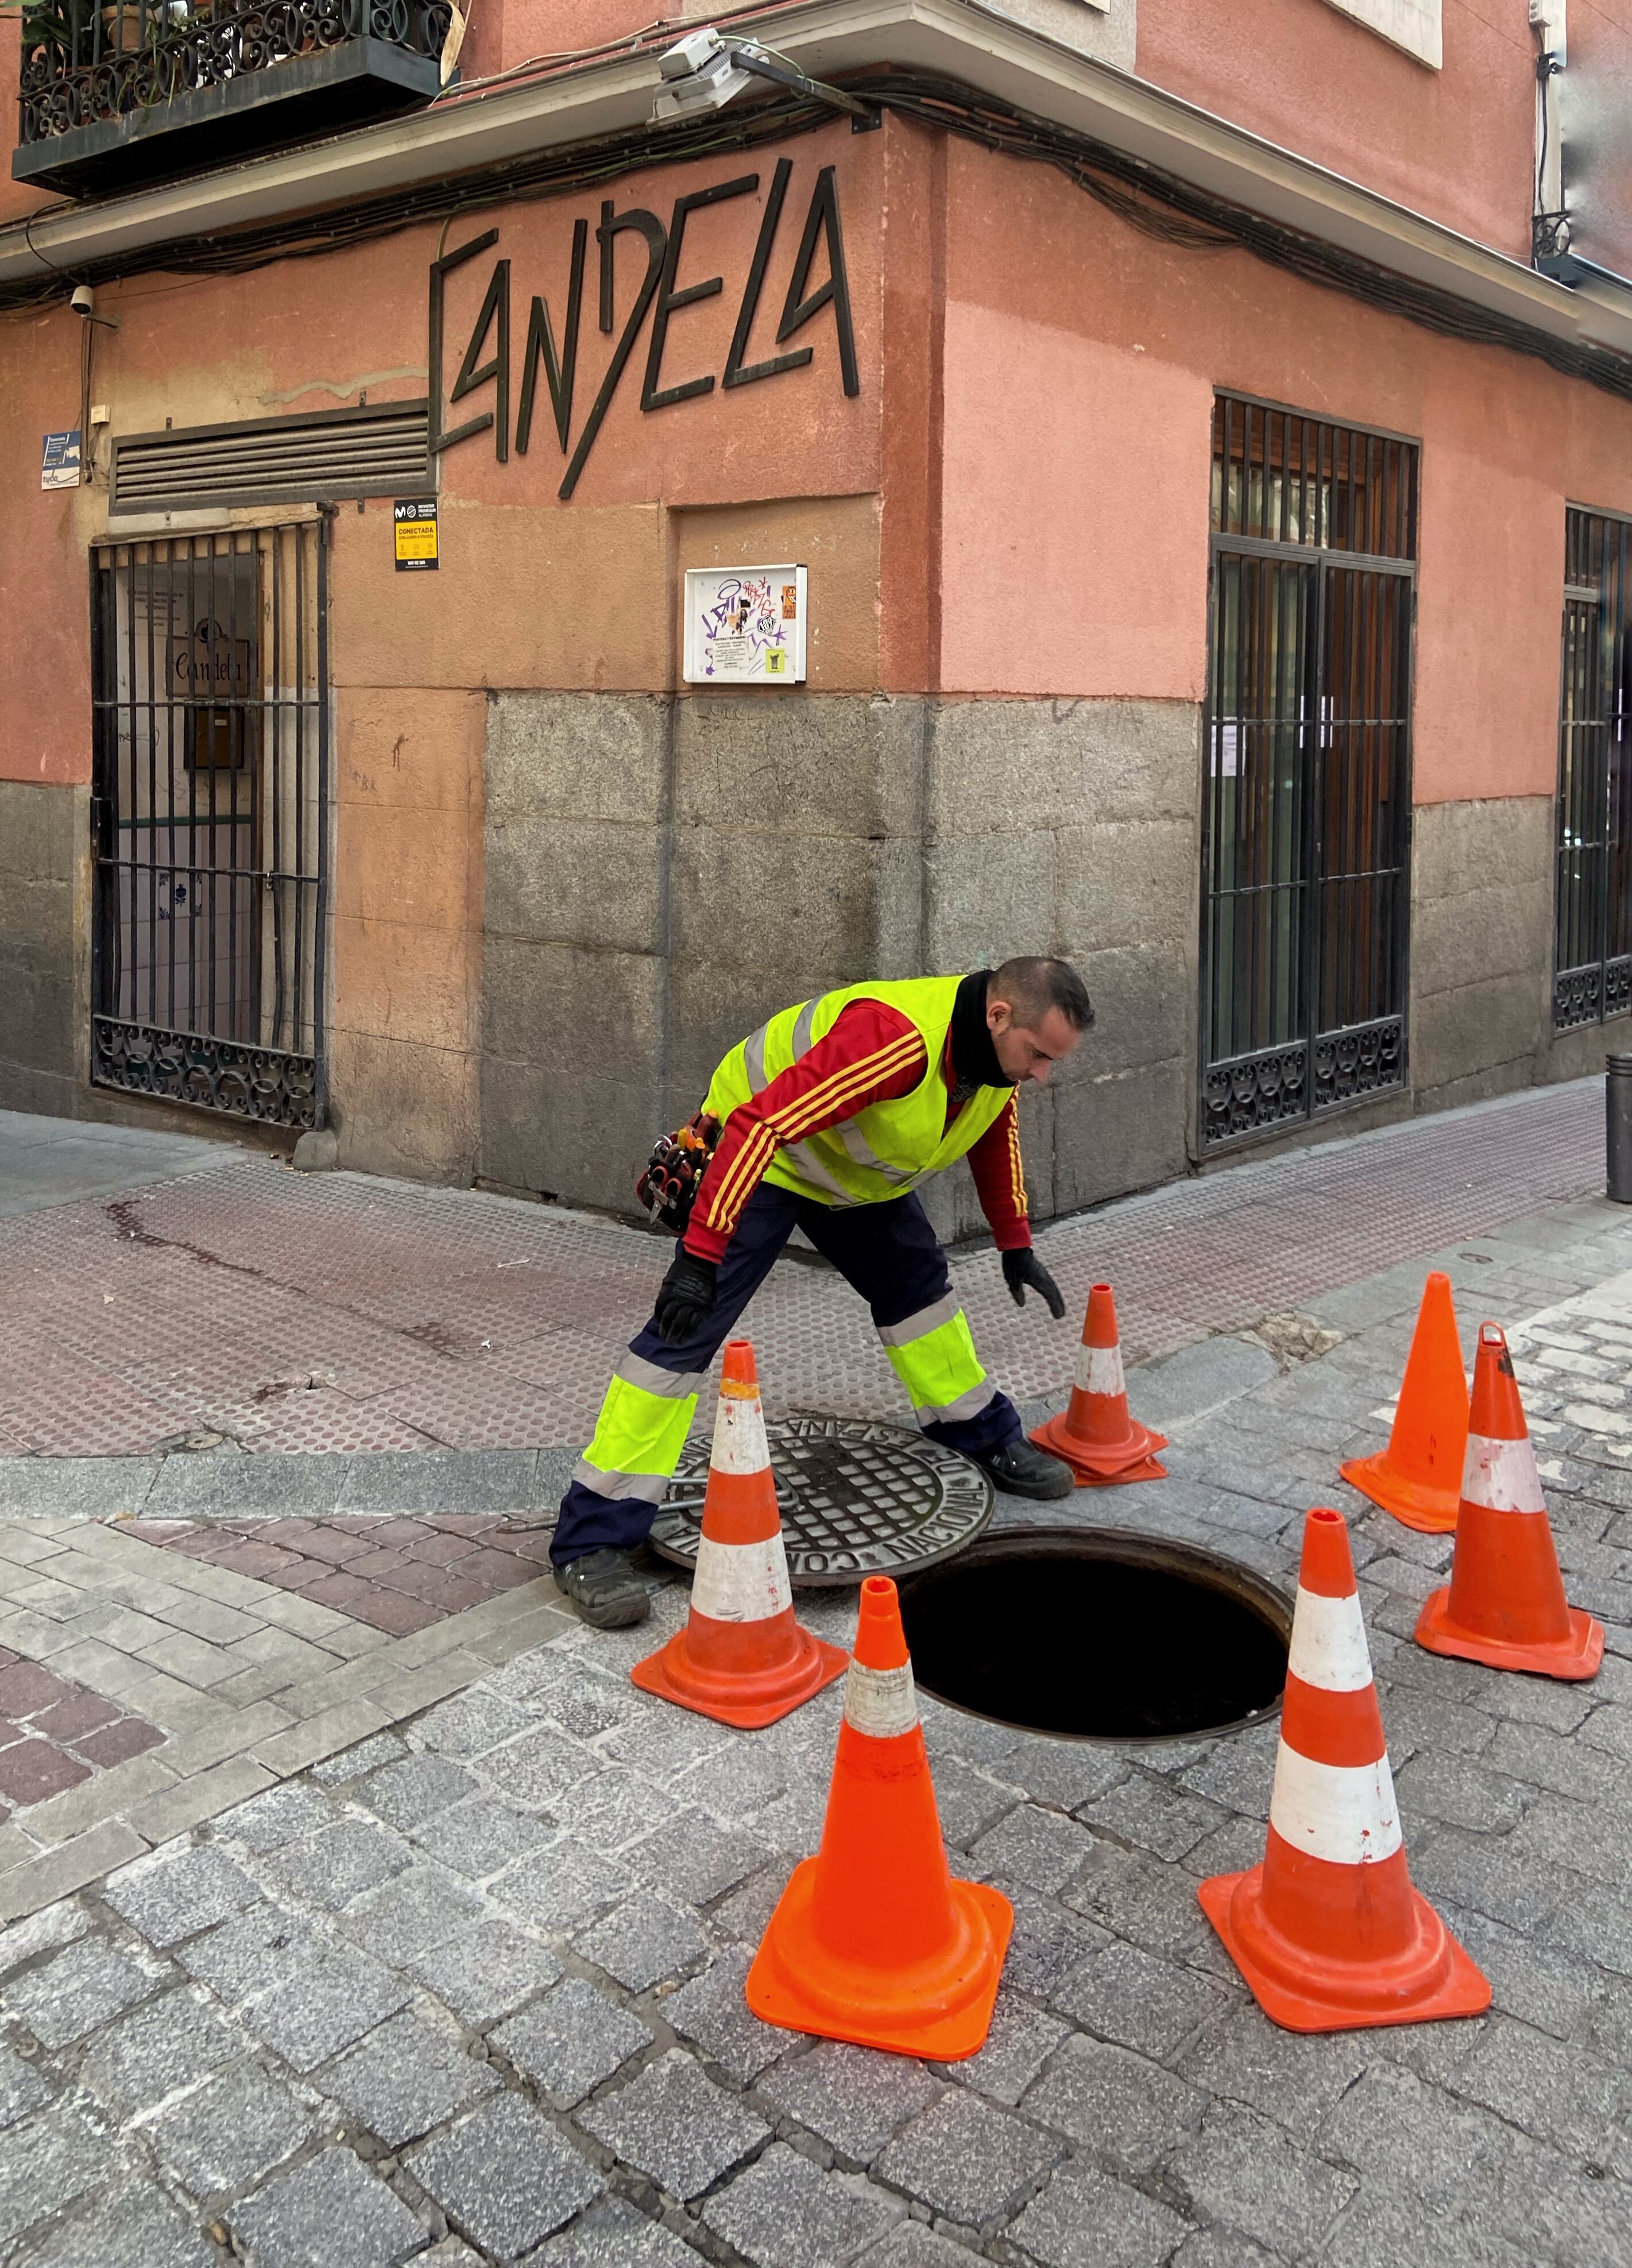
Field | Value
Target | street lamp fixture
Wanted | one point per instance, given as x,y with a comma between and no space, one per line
704,71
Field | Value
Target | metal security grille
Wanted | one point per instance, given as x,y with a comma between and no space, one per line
1592,944
209,820
1306,806
322,457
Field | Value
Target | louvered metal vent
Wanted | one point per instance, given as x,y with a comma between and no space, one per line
319,457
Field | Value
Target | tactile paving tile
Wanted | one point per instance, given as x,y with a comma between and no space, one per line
251,1276
317,1418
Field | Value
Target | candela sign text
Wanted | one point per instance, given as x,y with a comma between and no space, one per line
487,357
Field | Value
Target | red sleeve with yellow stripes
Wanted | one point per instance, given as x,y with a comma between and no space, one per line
871,1055
1000,1181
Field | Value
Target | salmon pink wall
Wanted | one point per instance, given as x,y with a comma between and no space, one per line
1076,469
407,925
537,591
1043,478
519,30
1456,144
305,334
1074,562
45,684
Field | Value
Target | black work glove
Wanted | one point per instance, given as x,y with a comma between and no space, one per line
685,1298
1022,1268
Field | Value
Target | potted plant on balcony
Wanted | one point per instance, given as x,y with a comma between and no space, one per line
62,25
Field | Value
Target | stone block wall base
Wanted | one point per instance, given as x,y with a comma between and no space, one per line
661,875
40,847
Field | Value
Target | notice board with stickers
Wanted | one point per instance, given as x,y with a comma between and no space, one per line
745,625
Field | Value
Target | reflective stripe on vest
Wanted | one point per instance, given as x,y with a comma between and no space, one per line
800,1154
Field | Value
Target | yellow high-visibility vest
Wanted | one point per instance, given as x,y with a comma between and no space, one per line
890,1146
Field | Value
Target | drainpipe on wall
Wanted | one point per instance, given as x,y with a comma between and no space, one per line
1549,226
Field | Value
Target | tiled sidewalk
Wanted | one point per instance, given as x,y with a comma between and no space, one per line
56,1732
335,1312
471,1992
437,1952
240,1682
396,1574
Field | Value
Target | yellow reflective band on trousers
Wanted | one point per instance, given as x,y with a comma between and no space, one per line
940,1371
638,1438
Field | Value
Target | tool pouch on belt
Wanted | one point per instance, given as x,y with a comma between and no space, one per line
668,1188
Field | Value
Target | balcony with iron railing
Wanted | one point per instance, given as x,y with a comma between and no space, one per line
113,96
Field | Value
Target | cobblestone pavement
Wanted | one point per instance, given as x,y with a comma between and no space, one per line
289,1312
465,1983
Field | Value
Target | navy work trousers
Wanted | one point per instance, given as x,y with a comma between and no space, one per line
888,1252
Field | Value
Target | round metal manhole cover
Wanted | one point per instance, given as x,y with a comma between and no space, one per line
856,1500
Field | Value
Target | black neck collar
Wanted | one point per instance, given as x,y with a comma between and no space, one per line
974,1057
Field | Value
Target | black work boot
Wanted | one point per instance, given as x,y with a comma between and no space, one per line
605,1589
1021,1469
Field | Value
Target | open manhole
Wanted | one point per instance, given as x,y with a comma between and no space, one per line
1097,1635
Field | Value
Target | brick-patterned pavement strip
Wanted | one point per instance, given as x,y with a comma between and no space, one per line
54,1733
221,1679
335,1312
397,1574
458,1978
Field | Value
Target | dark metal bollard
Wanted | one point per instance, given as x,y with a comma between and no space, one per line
1618,1126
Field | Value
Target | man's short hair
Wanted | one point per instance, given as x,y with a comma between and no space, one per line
1032,983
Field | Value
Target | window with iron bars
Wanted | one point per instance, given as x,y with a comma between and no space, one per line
1305,806
209,819
1592,917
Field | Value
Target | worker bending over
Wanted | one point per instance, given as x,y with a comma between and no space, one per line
826,1119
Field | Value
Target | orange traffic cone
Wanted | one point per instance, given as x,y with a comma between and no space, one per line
872,1941
1418,1476
1327,1930
1504,1604
741,1658
1095,1436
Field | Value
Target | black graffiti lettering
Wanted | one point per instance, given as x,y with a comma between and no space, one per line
603,236
495,312
668,298
665,248
560,371
441,268
735,374
648,226
823,218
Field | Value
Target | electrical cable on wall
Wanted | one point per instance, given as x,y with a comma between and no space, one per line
1156,203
